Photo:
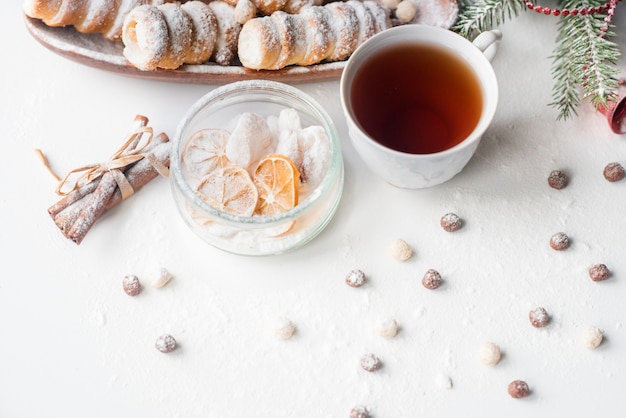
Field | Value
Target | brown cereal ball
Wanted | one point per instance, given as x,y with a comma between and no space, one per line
165,343
559,241
518,389
451,222
539,317
431,279
599,272
359,412
131,285
370,363
614,172
355,278
557,179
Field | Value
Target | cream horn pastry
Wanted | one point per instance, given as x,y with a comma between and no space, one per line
204,26
169,35
87,16
318,33
179,31
228,29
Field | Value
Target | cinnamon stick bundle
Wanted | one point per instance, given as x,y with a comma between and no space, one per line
103,186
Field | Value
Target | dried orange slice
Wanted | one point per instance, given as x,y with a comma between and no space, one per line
206,151
277,180
230,190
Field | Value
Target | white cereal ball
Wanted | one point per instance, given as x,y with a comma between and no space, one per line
387,328
490,354
443,381
401,250
406,11
592,337
283,328
160,278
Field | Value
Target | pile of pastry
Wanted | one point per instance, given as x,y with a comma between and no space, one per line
257,34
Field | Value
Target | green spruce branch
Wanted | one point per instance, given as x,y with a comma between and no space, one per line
481,15
584,63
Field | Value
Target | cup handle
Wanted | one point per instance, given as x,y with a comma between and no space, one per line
488,42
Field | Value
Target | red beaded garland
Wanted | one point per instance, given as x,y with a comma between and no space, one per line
609,7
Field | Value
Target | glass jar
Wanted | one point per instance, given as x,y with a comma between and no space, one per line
256,234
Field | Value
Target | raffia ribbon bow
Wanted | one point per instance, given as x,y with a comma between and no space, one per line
130,152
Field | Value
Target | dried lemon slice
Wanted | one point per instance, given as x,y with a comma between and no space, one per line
277,180
230,190
206,151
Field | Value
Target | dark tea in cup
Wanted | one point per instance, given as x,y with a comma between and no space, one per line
416,98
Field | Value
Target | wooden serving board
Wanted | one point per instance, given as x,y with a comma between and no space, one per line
95,51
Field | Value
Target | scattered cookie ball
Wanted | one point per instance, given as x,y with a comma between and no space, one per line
283,328
443,381
131,285
431,279
370,363
451,222
539,317
387,328
406,11
359,412
160,278
599,272
355,278
489,354
614,172
559,241
518,389
401,250
557,179
165,343
592,337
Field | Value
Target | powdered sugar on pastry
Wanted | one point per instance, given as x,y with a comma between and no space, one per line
87,16
125,6
367,27
99,16
244,11
170,35
318,33
204,25
346,26
179,31
295,6
267,7
145,37
227,32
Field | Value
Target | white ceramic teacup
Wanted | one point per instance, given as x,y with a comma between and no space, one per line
417,169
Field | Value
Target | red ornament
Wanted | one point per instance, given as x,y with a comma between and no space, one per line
615,113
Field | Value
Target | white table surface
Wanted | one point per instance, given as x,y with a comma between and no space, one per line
74,345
